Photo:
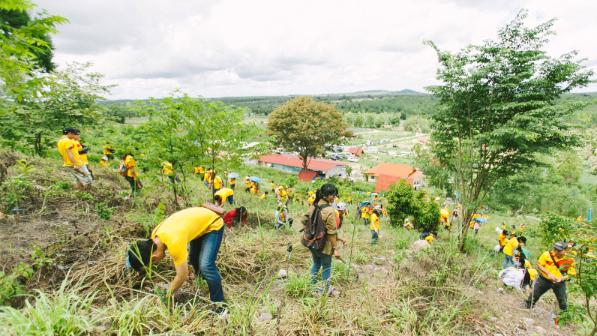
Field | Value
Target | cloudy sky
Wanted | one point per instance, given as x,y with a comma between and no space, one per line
220,48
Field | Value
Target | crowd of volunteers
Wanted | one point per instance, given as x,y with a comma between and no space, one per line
193,236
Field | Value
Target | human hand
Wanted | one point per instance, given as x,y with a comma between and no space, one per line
337,254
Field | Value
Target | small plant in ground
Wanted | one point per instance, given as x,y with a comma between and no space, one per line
84,196
298,286
9,287
103,210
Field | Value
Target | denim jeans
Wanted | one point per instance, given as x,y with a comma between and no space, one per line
203,252
324,262
508,261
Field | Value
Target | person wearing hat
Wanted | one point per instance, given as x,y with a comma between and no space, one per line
191,236
340,213
554,270
68,149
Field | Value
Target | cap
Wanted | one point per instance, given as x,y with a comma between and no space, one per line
560,246
341,206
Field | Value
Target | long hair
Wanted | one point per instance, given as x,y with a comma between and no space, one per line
326,190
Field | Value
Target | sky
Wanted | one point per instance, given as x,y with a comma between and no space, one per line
212,48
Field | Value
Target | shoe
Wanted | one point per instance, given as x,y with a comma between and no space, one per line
221,312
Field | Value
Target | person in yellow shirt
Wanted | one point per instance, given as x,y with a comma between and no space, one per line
429,238
374,225
264,196
310,198
191,236
555,268
512,244
68,150
232,182
217,182
168,170
503,239
83,150
254,188
199,170
207,178
282,194
128,169
247,184
224,195
365,214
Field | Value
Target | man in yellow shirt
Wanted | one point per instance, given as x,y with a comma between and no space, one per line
554,270
223,195
168,170
217,181
198,228
374,225
508,250
232,182
68,149
503,239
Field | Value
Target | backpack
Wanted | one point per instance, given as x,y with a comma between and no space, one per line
314,232
122,168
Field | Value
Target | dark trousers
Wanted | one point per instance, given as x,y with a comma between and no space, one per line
203,252
542,285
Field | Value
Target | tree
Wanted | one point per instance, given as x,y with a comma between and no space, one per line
185,130
305,126
59,99
498,109
404,202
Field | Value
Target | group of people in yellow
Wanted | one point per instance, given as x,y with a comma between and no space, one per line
553,269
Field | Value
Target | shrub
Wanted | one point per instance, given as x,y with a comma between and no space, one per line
404,201
298,286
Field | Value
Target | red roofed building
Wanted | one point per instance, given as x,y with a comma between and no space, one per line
356,151
316,167
386,174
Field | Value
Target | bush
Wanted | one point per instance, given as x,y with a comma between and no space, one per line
554,228
404,201
298,286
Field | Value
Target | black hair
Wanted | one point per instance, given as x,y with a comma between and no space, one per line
67,130
240,211
505,232
326,190
139,253
522,239
218,199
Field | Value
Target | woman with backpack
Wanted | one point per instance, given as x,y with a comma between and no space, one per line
320,234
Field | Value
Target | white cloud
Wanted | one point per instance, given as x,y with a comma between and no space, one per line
265,47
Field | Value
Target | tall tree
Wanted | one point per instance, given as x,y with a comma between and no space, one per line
498,109
305,125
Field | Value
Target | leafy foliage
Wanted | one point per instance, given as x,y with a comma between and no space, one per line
498,108
405,202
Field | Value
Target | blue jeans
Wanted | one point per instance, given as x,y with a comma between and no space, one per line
324,262
203,252
374,236
230,199
508,261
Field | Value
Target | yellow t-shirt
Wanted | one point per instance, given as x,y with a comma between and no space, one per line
374,222
178,230
511,246
231,181
224,193
167,168
130,164
217,182
63,145
365,213
82,157
547,262
429,239
207,177
502,240
199,170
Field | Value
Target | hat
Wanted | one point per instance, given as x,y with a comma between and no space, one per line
560,246
341,206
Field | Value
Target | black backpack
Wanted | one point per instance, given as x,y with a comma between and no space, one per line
314,232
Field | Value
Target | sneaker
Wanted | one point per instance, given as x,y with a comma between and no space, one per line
221,312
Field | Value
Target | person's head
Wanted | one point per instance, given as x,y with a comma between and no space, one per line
328,192
267,192
559,249
505,232
241,215
218,199
141,253
341,207
522,241
70,132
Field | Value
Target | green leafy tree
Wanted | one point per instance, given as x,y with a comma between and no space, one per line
498,109
305,125
185,131
404,202
62,98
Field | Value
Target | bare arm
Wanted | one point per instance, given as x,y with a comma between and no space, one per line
549,275
182,274
71,156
